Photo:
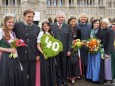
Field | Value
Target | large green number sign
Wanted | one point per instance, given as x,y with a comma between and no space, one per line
51,46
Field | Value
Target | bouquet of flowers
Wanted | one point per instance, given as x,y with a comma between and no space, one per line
14,44
76,44
94,45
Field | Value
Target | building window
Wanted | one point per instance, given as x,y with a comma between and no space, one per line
14,2
6,2
48,2
54,2
78,2
87,2
60,2
71,2
109,4
90,2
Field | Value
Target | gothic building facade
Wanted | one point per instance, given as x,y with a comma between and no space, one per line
49,8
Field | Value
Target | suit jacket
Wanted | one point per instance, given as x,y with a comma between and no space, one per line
109,46
29,35
64,35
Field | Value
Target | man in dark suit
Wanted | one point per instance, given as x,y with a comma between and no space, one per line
63,33
28,31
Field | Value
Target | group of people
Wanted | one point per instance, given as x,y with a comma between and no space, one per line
56,71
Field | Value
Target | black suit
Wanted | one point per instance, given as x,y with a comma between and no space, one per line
109,40
27,55
65,36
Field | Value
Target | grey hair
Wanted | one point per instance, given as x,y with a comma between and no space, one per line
62,13
83,14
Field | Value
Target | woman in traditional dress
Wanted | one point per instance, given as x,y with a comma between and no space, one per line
74,69
95,68
10,68
47,70
105,24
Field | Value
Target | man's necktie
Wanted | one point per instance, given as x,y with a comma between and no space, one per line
59,26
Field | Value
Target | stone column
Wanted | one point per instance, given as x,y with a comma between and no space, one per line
67,3
75,3
8,2
86,3
16,3
4,2
24,5
89,3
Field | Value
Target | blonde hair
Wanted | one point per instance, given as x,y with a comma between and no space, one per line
106,20
5,28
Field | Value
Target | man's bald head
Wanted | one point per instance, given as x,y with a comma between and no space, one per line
83,18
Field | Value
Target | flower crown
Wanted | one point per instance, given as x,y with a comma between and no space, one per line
9,14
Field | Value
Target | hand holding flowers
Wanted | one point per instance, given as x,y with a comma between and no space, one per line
14,44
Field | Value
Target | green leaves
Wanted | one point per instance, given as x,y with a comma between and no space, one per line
50,46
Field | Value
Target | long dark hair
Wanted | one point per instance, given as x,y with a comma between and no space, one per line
48,23
95,20
72,17
69,20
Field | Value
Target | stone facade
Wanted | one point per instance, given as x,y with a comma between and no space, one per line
49,8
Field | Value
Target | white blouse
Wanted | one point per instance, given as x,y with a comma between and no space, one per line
40,35
2,34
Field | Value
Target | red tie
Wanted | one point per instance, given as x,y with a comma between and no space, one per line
59,26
